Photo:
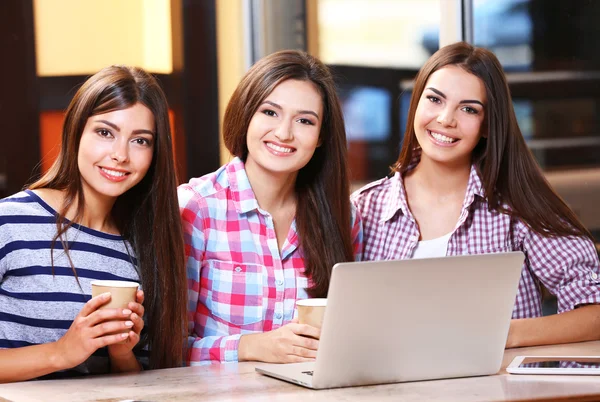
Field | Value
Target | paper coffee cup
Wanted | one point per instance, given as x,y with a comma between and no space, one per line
121,292
311,311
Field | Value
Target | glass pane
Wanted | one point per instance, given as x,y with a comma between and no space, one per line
551,52
386,33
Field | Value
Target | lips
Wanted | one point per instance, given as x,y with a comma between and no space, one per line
115,175
442,139
279,150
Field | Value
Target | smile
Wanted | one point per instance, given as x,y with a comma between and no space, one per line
278,149
442,138
113,175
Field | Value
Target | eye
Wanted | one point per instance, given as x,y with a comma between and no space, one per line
470,110
433,99
269,112
306,121
104,132
142,141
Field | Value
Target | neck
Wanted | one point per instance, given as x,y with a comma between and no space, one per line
96,212
442,178
273,191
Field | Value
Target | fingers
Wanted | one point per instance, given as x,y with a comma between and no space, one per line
139,296
138,323
136,308
110,328
305,330
108,314
107,340
94,303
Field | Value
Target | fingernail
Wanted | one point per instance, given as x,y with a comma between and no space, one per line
125,335
105,295
126,312
128,324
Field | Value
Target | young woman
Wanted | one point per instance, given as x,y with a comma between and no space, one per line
266,229
466,183
94,216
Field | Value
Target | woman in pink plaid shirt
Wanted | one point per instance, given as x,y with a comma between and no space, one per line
466,183
266,229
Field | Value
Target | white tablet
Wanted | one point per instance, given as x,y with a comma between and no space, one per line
574,365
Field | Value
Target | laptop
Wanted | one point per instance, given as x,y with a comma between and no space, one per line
411,320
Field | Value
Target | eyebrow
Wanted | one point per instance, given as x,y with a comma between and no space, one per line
440,93
113,125
275,105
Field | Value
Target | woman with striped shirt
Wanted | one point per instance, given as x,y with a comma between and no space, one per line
466,183
107,209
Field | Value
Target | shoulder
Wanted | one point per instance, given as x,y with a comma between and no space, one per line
373,191
203,187
22,203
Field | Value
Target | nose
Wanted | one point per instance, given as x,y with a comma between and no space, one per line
120,151
446,117
284,131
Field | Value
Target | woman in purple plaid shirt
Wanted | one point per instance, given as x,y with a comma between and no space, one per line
266,229
466,183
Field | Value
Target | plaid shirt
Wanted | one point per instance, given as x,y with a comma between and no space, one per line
567,266
238,282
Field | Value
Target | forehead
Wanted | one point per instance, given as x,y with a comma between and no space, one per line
133,116
455,82
297,94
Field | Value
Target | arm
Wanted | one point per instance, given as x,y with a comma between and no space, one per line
581,324
91,330
568,267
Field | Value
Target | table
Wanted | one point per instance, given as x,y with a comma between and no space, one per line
239,382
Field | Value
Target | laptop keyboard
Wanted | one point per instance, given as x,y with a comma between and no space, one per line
308,372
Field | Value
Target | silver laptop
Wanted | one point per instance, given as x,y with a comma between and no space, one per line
410,320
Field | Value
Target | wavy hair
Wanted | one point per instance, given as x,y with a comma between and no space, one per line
513,181
323,214
147,215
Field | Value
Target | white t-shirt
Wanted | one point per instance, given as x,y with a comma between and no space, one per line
432,248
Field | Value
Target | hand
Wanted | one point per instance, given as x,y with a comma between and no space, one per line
292,343
122,350
92,328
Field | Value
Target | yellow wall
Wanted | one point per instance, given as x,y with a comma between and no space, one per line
230,56
79,37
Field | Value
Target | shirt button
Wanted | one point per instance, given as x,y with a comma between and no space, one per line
594,275
238,269
279,282
278,316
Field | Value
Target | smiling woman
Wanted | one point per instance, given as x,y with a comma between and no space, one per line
466,183
88,218
266,229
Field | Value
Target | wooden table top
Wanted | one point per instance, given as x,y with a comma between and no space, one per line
239,382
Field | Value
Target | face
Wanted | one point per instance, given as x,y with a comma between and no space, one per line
450,115
284,132
115,151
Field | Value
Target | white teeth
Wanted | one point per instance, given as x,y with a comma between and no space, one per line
442,138
278,148
113,172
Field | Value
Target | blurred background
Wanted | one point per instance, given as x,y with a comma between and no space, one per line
199,50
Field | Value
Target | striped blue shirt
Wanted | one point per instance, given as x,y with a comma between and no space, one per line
38,302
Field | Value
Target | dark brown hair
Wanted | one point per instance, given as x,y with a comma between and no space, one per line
513,181
147,215
323,214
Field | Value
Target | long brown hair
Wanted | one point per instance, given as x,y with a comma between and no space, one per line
147,215
323,214
513,181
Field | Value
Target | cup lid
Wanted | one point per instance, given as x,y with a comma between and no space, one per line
115,284
317,302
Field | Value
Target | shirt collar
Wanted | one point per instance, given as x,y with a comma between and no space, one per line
398,200
242,195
